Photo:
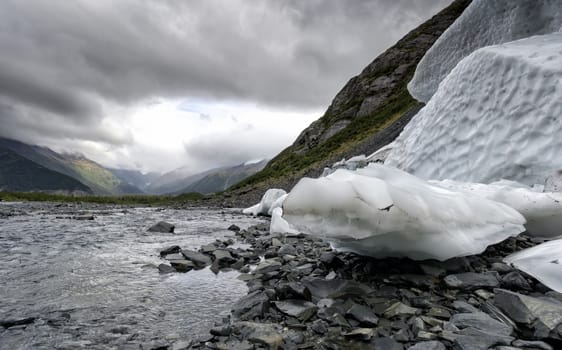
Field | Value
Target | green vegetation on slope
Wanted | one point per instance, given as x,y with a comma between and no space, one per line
123,199
367,112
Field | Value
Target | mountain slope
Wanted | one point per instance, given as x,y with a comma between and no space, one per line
221,179
368,113
135,178
96,177
19,174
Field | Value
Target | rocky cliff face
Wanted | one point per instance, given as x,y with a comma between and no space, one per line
368,113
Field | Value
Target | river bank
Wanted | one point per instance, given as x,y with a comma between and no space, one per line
304,295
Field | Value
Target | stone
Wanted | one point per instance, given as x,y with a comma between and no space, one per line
293,290
200,260
386,343
182,265
533,344
163,227
267,265
303,310
319,327
287,249
481,321
266,334
463,306
514,280
364,315
424,335
223,258
252,305
399,309
439,312
170,250
501,267
472,280
174,257
474,339
541,314
234,228
336,288
221,331
361,334
17,322
163,268
428,345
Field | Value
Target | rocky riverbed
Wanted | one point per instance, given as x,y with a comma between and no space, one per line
304,295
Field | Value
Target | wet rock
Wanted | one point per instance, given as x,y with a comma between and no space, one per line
208,248
267,265
386,343
319,326
18,322
182,345
223,258
251,306
474,339
472,280
428,345
532,344
363,315
463,306
501,267
543,315
182,265
170,250
439,312
514,280
293,290
321,289
361,334
200,260
239,345
399,309
163,268
481,321
303,310
83,217
266,334
221,331
287,249
234,228
162,226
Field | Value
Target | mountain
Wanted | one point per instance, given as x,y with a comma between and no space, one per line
136,178
183,180
86,171
368,113
218,180
19,174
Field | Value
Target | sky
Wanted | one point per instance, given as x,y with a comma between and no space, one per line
157,85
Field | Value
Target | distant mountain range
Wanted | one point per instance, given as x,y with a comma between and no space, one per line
25,167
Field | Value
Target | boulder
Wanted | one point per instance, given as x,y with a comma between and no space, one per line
163,227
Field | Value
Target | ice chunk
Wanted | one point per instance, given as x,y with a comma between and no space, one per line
483,23
497,115
268,199
544,262
278,224
553,183
543,211
277,204
381,211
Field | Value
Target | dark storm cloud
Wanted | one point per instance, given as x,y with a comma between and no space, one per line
72,59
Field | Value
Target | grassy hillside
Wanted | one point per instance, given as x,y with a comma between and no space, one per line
18,173
368,113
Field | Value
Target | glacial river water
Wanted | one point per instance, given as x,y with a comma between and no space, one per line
94,284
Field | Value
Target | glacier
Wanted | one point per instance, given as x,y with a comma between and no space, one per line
495,116
267,203
381,211
543,211
544,262
483,23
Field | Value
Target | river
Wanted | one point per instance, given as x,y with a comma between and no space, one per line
95,284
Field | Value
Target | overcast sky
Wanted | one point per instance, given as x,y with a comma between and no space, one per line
155,85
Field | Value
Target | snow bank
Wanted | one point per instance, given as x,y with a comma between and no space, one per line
544,262
380,211
483,23
497,115
543,211
264,207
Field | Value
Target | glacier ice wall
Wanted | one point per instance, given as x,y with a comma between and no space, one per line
483,23
384,212
497,115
